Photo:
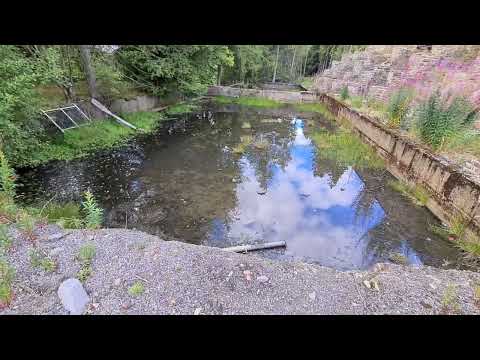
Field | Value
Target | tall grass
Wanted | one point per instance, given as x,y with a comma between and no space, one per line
398,107
248,101
439,121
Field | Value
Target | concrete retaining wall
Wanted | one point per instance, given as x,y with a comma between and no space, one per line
140,103
283,96
453,192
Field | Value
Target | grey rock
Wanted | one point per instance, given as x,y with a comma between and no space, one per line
73,296
262,279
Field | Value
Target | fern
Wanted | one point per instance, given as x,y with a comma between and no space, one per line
93,213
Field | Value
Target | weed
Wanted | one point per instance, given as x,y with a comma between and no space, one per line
450,300
66,215
84,272
344,93
26,223
418,194
346,149
356,101
438,122
86,253
476,294
398,107
136,289
7,274
41,260
93,213
5,240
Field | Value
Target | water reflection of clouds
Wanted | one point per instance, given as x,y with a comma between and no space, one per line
317,219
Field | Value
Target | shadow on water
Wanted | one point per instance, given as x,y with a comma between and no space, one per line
237,176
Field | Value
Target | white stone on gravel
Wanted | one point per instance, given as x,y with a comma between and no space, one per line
73,296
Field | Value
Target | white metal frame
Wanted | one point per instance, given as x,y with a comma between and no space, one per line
62,109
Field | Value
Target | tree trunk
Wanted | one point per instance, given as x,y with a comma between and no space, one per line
219,77
305,64
85,57
293,61
276,64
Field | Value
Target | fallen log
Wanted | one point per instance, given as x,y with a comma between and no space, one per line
246,248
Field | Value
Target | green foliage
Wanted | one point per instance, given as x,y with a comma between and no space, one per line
18,104
248,101
86,253
450,300
26,223
346,149
136,289
182,109
398,107
344,93
418,194
160,69
41,260
5,240
84,272
7,176
438,122
356,101
7,274
67,215
93,213
251,64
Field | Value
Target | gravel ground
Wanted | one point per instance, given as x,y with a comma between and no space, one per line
180,278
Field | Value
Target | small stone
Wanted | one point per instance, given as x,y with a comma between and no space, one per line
126,306
172,302
367,284
73,296
95,305
248,275
54,252
197,311
117,282
262,279
312,296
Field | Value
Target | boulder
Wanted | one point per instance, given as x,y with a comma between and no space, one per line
73,296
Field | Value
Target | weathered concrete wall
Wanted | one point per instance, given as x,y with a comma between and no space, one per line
453,192
283,96
140,103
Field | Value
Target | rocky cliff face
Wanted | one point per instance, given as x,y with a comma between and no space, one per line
382,69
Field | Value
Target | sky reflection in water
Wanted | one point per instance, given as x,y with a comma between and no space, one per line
318,218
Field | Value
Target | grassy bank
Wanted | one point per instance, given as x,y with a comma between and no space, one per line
101,134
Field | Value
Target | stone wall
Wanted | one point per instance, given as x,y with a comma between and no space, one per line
380,70
453,192
283,96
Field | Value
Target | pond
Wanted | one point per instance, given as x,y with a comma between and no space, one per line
231,175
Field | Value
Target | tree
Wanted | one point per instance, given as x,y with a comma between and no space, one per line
276,64
85,56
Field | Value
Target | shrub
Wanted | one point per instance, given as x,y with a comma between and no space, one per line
438,121
38,259
93,213
344,93
7,176
86,253
398,107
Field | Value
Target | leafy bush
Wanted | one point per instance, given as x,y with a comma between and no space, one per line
93,213
398,107
7,176
344,93
438,121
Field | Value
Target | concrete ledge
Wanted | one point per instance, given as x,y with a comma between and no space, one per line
283,96
453,192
